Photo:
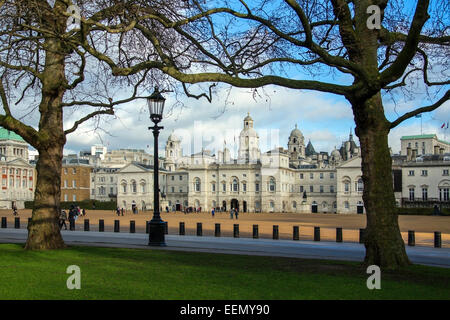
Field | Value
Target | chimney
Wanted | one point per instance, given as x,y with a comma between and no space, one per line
436,150
408,154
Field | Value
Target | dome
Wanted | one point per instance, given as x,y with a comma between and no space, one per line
335,154
248,118
173,137
9,135
296,132
249,132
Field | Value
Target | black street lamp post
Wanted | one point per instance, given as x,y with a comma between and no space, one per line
156,107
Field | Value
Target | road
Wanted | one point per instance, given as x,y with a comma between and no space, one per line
263,247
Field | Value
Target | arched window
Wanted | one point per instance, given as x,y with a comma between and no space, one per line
124,186
360,185
272,185
235,185
197,185
294,204
143,186
133,186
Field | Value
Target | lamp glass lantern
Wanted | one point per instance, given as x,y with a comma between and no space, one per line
155,104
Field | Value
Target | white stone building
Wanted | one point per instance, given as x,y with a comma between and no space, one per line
18,176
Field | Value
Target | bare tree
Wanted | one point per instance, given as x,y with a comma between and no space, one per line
357,49
44,68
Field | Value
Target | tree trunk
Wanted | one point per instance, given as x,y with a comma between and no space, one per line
43,231
383,241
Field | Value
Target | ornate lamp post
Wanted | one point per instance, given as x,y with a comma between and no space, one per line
155,105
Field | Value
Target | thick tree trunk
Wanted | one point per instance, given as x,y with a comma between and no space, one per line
43,231
383,241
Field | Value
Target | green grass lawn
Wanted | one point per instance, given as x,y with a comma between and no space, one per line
112,273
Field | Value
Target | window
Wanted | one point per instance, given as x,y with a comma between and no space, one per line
331,189
111,190
172,189
257,187
360,185
74,170
301,188
197,185
235,185
93,191
272,185
124,187
74,183
445,172
411,173
321,175
74,197
66,198
346,205
424,194
65,183
331,175
181,190
111,179
301,175
424,173
224,187
173,178
181,178
311,175
444,194
311,188
244,187
213,187
133,187
346,186
321,189
65,172
411,194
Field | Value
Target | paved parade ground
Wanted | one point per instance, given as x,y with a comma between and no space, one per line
424,226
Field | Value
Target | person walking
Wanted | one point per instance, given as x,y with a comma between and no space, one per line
236,212
118,211
71,217
122,212
62,220
14,207
212,212
231,213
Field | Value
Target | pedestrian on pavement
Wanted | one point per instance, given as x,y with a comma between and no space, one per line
122,212
236,212
212,212
62,220
231,213
118,211
14,207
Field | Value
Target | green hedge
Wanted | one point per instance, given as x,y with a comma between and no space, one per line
86,204
422,211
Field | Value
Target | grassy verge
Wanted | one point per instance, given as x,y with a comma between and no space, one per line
112,273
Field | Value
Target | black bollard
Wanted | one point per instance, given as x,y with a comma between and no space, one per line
437,239
411,238
4,222
182,229
217,230
235,230
255,231
316,233
86,224
338,234
296,233
17,223
166,228
71,224
116,226
362,233
132,226
275,234
199,229
147,227
101,225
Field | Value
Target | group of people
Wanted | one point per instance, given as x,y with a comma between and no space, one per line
235,212
119,211
74,213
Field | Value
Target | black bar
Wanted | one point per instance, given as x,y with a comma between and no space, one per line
255,231
235,230
147,227
4,222
217,230
275,235
116,226
199,229
182,229
132,226
101,225
72,224
166,228
411,238
437,239
17,223
86,224
296,233
29,221
316,233
338,234
362,233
